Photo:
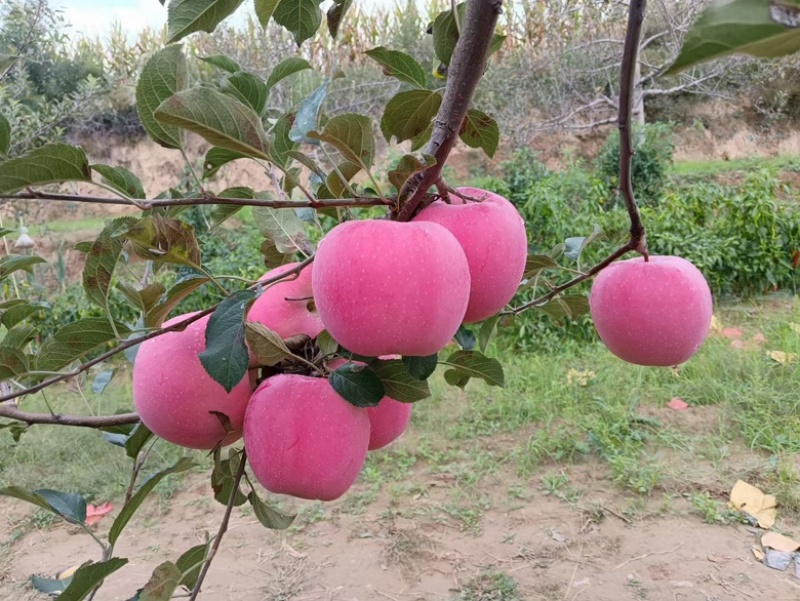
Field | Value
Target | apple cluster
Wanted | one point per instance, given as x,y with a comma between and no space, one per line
379,288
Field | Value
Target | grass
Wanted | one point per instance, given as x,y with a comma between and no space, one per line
714,166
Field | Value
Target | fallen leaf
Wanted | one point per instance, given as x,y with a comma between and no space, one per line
750,500
782,357
732,333
94,513
779,542
758,553
678,404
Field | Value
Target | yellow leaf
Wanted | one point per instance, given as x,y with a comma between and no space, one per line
750,500
782,357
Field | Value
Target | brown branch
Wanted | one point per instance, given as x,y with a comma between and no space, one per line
464,72
102,421
144,204
92,422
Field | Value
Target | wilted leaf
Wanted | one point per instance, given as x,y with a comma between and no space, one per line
358,385
480,131
351,134
162,584
266,345
226,356
283,227
49,164
472,364
165,239
782,357
75,340
285,68
187,16
221,120
407,166
399,65
164,74
269,517
101,260
121,180
398,383
408,114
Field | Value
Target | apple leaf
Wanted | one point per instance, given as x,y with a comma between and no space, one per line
569,306
121,180
247,89
75,340
180,290
13,362
226,356
11,263
358,385
223,478
536,263
216,158
486,332
308,115
87,577
191,562
188,16
283,227
472,364
71,507
5,135
164,239
162,584
102,380
465,338
480,131
266,345
50,586
285,68
101,261
407,166
421,368
409,114
399,65
351,134
335,15
52,163
164,74
269,517
222,62
398,383
301,17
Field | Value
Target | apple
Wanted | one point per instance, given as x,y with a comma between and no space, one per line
492,234
388,420
303,439
384,287
655,312
174,394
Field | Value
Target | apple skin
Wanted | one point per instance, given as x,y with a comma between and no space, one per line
655,312
173,393
303,439
384,287
287,317
492,234
387,422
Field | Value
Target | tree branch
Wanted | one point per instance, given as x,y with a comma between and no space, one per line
102,421
464,72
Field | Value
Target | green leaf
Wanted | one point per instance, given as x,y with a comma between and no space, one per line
282,145
248,89
87,577
190,564
144,299
536,263
285,68
5,135
465,338
13,362
129,509
164,74
223,212
269,517
175,295
283,227
15,428
486,333
301,17
101,261
158,238
74,341
221,120
569,306
11,263
399,65
50,586
265,10
162,584
398,383
223,479
334,182
480,131
335,15
222,62
351,134
358,385
187,16
409,114
69,506
266,345
308,115
407,167
6,62
19,336
121,180
226,356
735,26
216,158
421,368
16,312
137,439
472,364
326,344
52,163
102,380
445,33
272,256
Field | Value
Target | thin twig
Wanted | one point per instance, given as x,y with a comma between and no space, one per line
645,556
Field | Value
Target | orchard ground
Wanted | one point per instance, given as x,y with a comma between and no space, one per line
575,481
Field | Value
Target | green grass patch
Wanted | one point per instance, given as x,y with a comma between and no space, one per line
714,166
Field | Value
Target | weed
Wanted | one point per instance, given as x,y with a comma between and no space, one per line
490,586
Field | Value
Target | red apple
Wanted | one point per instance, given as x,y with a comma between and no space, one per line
384,287
387,422
655,312
174,394
492,234
303,439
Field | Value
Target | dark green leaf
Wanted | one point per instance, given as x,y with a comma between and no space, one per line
398,383
399,65
306,161
216,158
162,584
269,517
568,306
88,576
69,506
308,115
23,495
49,164
13,362
487,332
144,299
223,479
221,213
326,344
15,428
536,263
75,340
226,356
407,167
266,345
248,89
137,439
121,180
465,338
6,62
272,256
282,145
190,564
480,131
5,135
165,239
163,75
336,13
445,33
421,368
283,227
358,385
102,380
187,16
222,62
11,263
129,509
265,9
221,120
50,586
472,364
334,182
351,134
301,17
15,313
285,68
19,336
735,26
408,114
175,295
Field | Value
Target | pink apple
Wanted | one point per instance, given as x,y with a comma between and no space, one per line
387,422
655,312
174,394
492,234
303,439
384,287
288,307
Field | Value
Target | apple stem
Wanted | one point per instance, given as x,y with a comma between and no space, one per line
464,72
